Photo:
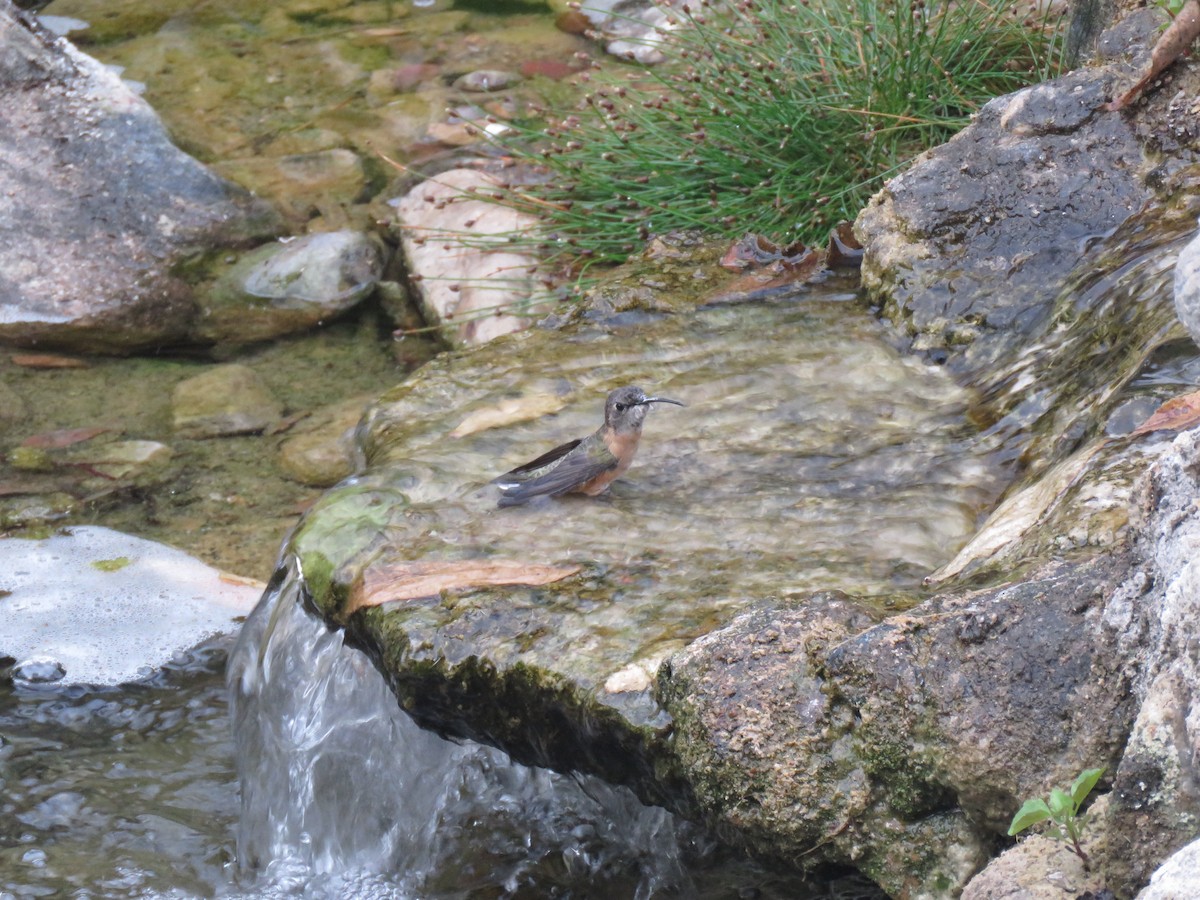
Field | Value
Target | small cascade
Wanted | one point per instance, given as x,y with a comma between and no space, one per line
342,792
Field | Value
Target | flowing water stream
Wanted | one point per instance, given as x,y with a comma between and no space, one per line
133,791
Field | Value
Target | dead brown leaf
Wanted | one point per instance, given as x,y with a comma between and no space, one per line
62,437
411,580
509,411
1176,414
48,361
1174,43
844,249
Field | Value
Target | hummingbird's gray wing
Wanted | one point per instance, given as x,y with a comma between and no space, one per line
554,473
523,472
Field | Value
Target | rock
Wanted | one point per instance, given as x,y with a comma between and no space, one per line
1155,805
102,607
320,450
762,468
292,286
300,185
933,215
1176,878
991,206
226,400
1187,288
136,462
486,80
1011,198
96,206
38,505
899,728
1041,868
401,79
467,279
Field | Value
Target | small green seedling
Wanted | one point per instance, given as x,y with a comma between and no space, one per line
1063,809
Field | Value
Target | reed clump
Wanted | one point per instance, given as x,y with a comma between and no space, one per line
769,116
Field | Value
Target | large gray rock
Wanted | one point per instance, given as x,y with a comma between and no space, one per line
1155,806
96,205
969,250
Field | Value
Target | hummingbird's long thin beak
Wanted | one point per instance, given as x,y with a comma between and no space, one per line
660,400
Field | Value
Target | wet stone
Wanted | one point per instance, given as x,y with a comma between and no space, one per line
225,400
810,455
291,286
319,451
486,80
1187,288
138,461
39,671
300,184
1012,198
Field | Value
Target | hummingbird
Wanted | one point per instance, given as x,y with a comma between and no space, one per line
585,465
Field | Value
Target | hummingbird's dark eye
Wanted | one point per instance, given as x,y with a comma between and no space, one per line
621,407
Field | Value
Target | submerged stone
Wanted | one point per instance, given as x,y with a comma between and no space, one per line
300,184
291,286
225,400
319,450
486,80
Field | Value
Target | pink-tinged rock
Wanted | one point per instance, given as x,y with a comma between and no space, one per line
468,279
547,68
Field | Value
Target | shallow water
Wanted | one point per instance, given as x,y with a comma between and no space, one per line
132,792
811,455
118,792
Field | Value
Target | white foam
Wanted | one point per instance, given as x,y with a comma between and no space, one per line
115,622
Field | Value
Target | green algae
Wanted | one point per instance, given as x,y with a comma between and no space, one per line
112,565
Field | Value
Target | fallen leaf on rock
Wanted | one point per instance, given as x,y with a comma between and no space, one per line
48,361
62,437
1172,44
31,484
241,581
507,412
1176,414
844,249
411,580
755,252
